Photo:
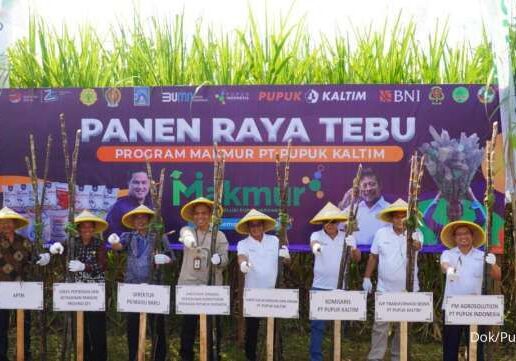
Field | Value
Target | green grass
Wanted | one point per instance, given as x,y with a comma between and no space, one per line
160,52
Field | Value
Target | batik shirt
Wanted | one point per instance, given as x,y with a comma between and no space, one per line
94,258
15,258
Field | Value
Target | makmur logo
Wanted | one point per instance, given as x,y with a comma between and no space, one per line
244,196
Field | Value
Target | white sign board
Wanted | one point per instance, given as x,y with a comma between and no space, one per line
338,305
21,295
143,298
470,310
270,302
197,300
79,297
404,307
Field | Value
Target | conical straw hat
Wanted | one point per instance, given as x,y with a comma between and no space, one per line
19,220
254,215
127,219
399,206
188,208
448,237
86,216
329,212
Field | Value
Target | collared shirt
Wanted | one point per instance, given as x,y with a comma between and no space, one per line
140,252
469,267
263,257
327,262
391,249
201,255
368,223
15,258
122,206
93,256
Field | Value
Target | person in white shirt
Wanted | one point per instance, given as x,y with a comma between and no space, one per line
370,205
388,251
463,265
258,259
328,246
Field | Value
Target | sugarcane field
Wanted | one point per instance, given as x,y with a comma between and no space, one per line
257,180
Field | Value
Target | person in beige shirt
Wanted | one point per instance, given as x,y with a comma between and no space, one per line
196,258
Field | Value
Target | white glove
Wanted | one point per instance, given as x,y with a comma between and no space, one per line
491,259
44,259
451,275
76,266
367,285
351,242
215,259
187,237
416,236
245,266
316,248
283,252
113,239
56,248
162,259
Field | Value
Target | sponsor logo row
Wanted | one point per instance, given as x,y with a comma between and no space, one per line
142,96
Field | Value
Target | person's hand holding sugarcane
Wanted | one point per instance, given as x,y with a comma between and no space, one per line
245,265
187,238
114,241
56,248
43,259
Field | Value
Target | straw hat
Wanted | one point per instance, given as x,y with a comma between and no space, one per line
188,208
127,219
330,212
86,216
386,214
242,226
19,221
448,237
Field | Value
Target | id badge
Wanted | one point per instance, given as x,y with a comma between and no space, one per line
197,263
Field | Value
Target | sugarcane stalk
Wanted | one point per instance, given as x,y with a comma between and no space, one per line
70,172
31,164
155,235
218,188
343,278
274,349
489,200
411,225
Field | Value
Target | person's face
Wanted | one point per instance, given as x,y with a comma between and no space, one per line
398,220
256,229
7,226
141,222
369,189
454,211
201,215
463,237
139,185
86,230
330,227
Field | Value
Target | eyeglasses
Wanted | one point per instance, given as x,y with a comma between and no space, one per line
332,222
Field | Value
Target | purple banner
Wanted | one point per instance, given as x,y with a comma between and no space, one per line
333,128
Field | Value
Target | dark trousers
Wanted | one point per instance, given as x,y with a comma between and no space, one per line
452,335
133,328
189,329
95,339
4,332
252,327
